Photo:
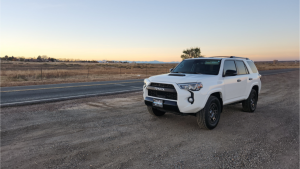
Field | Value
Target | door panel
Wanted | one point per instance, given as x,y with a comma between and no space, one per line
243,75
232,87
243,85
235,86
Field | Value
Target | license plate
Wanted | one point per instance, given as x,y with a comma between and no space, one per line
158,103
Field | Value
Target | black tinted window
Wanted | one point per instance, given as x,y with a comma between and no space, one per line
198,66
252,66
242,70
229,65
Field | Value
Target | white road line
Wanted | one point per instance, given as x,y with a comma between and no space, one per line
137,80
62,87
137,87
119,84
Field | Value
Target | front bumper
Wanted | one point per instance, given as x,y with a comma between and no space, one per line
167,105
181,104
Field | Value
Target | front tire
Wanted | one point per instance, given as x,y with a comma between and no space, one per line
249,105
209,116
155,112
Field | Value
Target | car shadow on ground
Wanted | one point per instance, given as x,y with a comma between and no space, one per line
190,122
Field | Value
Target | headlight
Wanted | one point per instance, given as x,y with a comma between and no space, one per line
190,86
146,82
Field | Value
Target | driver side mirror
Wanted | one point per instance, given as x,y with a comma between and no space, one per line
230,73
171,69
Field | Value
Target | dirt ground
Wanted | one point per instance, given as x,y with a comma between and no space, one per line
118,132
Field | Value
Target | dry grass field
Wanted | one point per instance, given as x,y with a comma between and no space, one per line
279,65
36,73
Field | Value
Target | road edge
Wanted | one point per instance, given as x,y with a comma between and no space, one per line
65,98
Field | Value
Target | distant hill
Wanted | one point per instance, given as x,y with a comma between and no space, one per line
149,62
154,62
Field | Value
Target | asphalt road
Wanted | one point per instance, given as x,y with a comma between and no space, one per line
22,95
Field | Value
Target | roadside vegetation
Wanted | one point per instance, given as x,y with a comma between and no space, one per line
35,73
17,73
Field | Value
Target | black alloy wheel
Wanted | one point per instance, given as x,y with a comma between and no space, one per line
209,116
250,104
253,102
213,114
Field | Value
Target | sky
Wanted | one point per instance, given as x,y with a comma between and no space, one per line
146,30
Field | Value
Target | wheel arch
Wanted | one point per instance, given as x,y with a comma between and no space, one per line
220,97
256,88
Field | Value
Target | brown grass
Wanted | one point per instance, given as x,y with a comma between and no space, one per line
20,73
279,65
29,73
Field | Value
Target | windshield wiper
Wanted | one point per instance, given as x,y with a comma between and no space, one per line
188,72
194,73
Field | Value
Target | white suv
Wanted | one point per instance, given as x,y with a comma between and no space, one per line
201,86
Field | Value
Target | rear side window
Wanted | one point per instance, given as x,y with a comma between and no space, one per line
229,65
242,70
252,66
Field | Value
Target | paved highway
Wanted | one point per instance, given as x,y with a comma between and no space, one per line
22,95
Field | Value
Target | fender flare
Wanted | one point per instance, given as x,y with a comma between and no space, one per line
254,84
209,93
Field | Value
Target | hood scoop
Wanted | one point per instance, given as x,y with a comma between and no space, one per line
176,74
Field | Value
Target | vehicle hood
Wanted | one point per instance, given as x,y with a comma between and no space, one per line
165,78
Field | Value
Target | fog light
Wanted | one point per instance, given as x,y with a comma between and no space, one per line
191,100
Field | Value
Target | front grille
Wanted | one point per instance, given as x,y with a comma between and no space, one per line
169,86
161,94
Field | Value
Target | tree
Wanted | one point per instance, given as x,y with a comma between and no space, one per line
191,53
22,58
11,58
44,57
39,58
52,59
6,57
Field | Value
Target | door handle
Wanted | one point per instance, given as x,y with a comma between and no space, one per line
239,80
250,78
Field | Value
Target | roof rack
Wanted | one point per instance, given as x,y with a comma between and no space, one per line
238,57
228,57
219,56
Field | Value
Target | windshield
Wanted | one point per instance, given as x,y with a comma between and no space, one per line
199,66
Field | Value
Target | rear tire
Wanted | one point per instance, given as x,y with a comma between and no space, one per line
155,112
209,116
250,104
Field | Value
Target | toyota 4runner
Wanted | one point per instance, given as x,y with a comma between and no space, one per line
202,86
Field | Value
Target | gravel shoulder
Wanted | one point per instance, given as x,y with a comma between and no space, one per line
117,132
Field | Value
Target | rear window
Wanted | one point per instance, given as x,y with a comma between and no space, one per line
242,70
252,66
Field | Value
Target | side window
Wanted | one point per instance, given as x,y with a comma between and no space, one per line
242,70
229,65
252,66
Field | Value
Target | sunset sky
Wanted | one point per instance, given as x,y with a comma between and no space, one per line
146,30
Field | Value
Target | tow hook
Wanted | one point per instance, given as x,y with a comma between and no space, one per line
191,99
